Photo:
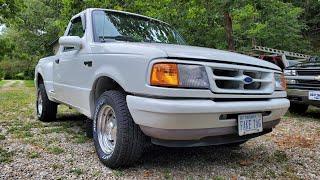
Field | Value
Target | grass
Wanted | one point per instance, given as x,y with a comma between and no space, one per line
270,174
76,171
20,124
38,142
96,173
5,156
52,130
33,155
219,178
290,173
16,83
16,108
56,166
22,134
2,82
280,156
23,126
21,129
118,173
55,150
29,83
2,137
80,139
167,174
70,160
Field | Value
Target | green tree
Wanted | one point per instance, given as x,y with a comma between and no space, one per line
311,17
8,9
270,23
284,24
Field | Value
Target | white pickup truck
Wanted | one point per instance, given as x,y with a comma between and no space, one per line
139,82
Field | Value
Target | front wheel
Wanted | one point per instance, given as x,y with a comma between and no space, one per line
298,108
118,140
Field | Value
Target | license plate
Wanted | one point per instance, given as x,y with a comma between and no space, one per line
314,95
249,123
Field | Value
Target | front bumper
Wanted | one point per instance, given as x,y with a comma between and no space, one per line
297,93
187,119
301,96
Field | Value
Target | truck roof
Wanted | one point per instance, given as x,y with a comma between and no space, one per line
52,43
118,11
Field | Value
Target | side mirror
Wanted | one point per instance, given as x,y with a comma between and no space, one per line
71,41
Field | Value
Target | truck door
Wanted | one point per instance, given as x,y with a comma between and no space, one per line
70,76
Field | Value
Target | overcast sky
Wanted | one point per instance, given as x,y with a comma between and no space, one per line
2,27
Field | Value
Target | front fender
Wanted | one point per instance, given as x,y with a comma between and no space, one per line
111,72
45,69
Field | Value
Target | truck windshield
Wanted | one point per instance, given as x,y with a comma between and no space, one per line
119,26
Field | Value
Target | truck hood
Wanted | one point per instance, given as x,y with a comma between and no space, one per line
306,65
184,52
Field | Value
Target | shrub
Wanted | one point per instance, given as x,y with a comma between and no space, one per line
19,76
16,69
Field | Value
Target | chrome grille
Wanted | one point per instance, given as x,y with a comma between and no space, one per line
232,80
308,72
304,84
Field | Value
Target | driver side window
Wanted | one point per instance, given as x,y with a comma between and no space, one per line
76,29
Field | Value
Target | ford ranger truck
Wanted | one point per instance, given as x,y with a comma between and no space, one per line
303,82
139,82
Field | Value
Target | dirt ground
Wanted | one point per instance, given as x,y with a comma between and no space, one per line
30,149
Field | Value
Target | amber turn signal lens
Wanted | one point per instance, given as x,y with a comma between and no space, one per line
283,81
165,74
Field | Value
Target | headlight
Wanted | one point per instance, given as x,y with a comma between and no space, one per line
291,81
280,82
179,75
290,72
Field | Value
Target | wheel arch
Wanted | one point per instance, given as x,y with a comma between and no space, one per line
39,79
100,85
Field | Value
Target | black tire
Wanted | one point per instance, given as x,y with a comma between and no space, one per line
130,141
298,108
49,108
89,128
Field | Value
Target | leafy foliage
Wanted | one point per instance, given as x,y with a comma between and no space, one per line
291,25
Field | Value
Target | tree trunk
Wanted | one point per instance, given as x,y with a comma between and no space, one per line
228,28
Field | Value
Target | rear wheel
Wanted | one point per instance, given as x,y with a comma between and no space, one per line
118,140
46,109
298,108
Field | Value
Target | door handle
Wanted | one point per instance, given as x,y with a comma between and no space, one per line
88,63
57,61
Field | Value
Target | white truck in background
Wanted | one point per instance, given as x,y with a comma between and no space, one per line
139,82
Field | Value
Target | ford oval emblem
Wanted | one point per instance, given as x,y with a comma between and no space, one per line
248,80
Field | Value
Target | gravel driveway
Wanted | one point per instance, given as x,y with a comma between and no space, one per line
30,149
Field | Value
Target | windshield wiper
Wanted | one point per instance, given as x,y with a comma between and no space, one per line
118,38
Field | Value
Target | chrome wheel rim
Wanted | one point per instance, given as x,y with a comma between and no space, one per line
39,104
107,129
